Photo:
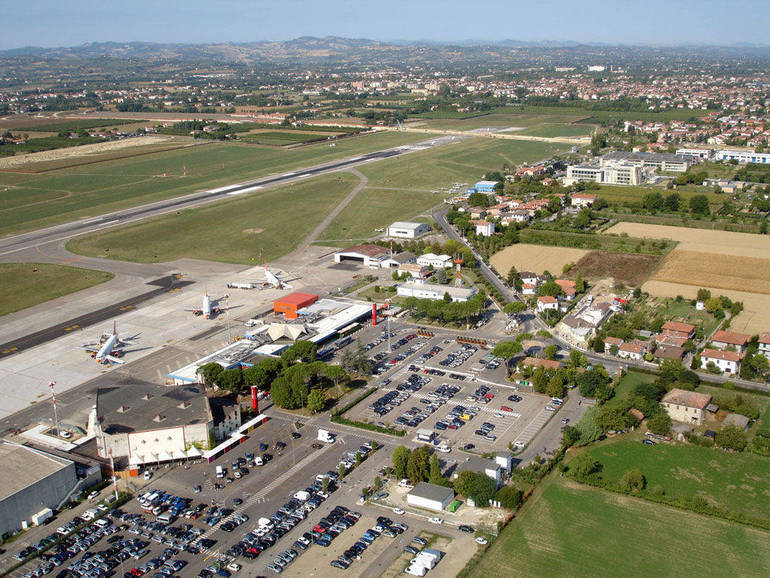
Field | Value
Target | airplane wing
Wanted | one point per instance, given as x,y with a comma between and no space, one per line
193,309
114,360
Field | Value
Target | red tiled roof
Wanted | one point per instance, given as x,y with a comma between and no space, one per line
730,337
718,354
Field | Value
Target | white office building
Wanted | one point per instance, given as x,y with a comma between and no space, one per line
743,156
661,161
433,291
609,173
695,155
435,261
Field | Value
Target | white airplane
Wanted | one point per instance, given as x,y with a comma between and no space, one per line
209,307
272,280
109,347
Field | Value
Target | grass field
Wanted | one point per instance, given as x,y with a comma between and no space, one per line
552,130
506,118
571,530
281,138
464,161
52,125
535,258
32,201
23,285
626,385
375,208
627,268
635,195
736,482
269,223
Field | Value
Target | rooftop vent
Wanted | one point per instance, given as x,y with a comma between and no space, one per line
184,405
122,409
147,396
159,418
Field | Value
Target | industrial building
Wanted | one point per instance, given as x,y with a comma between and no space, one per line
430,496
238,354
368,254
743,156
433,291
485,186
289,304
694,155
407,230
435,261
143,423
661,161
32,484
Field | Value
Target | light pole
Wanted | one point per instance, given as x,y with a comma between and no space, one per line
51,384
227,316
390,347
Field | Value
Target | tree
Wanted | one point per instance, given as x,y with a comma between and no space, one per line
301,350
230,379
210,371
507,349
699,205
549,288
512,275
580,284
653,202
400,461
335,373
447,297
316,401
570,436
598,345
435,476
583,465
418,467
478,200
509,497
341,470
731,438
440,276
540,380
583,218
550,351
660,423
555,387
477,486
673,202
633,480
280,393
515,307
577,359
703,295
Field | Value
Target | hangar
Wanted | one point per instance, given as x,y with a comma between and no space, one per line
289,304
408,230
368,254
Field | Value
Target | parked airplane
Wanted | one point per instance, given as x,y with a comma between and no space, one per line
109,348
272,280
209,307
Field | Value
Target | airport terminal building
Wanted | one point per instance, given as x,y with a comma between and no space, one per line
32,483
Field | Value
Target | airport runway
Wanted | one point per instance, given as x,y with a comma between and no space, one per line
11,247
164,285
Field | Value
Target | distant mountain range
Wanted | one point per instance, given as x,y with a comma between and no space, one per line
331,48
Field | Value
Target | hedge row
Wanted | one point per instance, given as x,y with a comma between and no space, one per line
337,417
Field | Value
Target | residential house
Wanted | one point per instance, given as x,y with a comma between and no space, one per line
528,278
490,468
686,406
764,344
567,288
724,339
484,228
610,341
582,200
669,352
414,270
634,351
546,303
678,329
726,361
528,289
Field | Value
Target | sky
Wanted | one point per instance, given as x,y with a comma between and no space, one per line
73,22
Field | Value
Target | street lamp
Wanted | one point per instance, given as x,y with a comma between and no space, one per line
51,384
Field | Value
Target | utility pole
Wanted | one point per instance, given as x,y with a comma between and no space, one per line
227,317
390,347
51,384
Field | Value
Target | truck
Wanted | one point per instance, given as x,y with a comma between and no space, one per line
302,496
220,472
235,285
326,436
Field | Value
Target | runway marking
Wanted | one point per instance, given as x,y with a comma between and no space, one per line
71,327
10,350
126,307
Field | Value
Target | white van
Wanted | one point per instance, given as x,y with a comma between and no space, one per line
259,461
166,518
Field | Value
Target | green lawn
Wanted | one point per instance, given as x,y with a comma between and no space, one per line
552,130
736,482
373,209
508,117
627,384
32,201
280,138
23,285
685,312
571,530
268,223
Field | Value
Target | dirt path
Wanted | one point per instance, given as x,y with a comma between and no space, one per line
315,233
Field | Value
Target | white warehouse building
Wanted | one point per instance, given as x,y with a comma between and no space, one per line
743,156
430,496
408,230
433,291
435,261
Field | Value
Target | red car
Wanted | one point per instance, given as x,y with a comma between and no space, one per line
506,408
489,396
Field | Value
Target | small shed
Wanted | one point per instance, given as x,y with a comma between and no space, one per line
430,496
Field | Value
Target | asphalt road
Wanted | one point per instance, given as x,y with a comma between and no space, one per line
165,285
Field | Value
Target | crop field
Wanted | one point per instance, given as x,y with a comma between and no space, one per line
32,201
628,268
23,285
635,195
572,530
733,264
375,208
269,223
29,123
535,258
464,161
736,482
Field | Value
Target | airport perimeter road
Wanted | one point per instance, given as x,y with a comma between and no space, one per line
12,247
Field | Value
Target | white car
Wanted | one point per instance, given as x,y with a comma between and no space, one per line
436,520
499,415
65,434
444,449
398,511
482,541
147,475
92,495
519,444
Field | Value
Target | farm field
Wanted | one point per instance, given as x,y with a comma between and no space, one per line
736,482
535,258
32,201
733,264
635,195
375,208
627,268
23,285
269,223
464,161
573,530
